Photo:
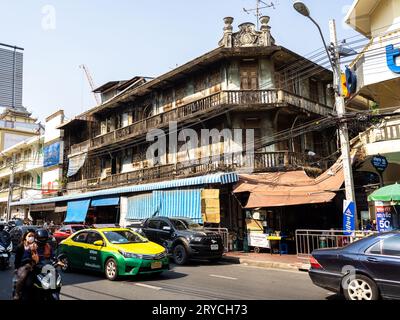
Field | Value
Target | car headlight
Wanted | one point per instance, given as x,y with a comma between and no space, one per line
196,239
130,255
10,247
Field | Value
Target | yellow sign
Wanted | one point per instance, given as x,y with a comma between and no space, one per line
254,225
345,91
210,206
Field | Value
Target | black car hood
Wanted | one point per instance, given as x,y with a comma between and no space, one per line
196,233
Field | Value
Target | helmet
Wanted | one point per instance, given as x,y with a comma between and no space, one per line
42,236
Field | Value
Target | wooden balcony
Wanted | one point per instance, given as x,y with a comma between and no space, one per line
257,162
212,104
80,147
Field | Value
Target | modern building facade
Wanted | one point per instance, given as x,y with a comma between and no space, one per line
11,76
35,164
377,69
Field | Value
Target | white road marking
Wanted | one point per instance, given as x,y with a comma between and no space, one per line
271,269
222,277
148,286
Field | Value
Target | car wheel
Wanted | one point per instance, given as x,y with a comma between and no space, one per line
111,269
359,287
180,254
66,267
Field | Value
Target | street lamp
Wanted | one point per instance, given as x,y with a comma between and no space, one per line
301,8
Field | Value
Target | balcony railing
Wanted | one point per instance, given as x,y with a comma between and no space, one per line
257,162
207,104
80,147
385,133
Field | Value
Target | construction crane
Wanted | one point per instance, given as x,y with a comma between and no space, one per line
91,83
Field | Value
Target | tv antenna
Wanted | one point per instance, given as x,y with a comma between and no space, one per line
260,5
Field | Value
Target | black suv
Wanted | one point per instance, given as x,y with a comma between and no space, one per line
184,238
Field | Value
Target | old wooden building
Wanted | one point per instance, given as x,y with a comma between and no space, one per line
245,83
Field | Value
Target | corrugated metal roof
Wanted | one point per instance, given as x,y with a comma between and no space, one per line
216,178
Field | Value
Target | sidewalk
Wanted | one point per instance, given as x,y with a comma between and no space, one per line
266,260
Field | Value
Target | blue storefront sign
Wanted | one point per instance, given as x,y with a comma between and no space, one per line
349,217
380,163
392,54
384,218
51,155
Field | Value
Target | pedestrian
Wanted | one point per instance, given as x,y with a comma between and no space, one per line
369,226
374,225
26,256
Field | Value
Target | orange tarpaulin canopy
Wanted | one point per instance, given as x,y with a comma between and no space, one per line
290,188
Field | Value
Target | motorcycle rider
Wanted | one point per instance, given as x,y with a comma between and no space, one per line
3,232
44,249
26,256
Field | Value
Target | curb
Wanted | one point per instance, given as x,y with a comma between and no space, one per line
268,264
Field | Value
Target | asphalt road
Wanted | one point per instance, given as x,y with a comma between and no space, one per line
197,281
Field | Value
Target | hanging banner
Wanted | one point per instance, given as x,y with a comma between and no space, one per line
75,164
384,218
349,217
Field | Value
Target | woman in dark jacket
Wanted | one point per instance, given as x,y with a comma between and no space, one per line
26,257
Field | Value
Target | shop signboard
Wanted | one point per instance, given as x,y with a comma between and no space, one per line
380,163
258,240
384,217
349,217
51,155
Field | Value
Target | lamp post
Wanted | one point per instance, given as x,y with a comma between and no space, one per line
301,8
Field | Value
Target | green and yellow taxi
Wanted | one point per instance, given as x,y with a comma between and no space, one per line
114,251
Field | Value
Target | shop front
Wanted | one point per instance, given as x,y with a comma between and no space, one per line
198,198
386,204
39,213
277,204
104,210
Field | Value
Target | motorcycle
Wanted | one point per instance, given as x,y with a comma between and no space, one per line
43,283
5,249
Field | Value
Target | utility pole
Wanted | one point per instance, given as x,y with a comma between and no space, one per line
11,187
343,130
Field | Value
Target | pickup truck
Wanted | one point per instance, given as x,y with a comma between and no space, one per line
184,238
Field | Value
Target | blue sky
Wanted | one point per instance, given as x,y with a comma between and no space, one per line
122,38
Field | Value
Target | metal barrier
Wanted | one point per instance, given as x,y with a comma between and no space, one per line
224,234
309,240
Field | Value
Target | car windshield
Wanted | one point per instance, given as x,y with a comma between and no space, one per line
124,237
77,228
184,224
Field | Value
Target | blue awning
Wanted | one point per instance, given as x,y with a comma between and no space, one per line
179,203
140,206
173,203
77,210
215,178
103,202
